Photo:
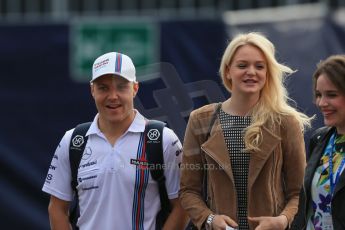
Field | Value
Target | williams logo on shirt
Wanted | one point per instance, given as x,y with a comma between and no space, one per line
77,142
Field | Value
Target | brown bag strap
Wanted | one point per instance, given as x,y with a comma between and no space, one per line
213,119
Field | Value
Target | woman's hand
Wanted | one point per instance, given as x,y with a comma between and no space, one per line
270,223
221,221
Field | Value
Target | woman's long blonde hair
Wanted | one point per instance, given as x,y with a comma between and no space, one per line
273,101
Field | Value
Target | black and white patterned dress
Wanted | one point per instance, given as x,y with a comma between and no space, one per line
233,131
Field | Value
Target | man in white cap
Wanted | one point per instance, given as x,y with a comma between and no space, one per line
113,193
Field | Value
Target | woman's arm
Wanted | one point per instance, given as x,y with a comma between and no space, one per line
192,173
293,149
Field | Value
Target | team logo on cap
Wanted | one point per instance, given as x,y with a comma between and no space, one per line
77,141
100,64
153,134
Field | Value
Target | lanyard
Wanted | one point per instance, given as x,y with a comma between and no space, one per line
330,161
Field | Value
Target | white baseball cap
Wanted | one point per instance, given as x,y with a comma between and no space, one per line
114,63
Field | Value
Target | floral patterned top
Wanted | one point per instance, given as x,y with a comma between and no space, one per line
319,214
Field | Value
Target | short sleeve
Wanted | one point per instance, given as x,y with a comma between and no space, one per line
58,180
172,150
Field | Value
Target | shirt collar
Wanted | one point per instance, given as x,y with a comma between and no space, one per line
138,124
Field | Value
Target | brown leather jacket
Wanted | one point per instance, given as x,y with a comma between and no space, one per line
275,172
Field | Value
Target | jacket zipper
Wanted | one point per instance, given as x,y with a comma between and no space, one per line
273,191
208,180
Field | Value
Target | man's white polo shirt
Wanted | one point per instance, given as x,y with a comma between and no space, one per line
114,193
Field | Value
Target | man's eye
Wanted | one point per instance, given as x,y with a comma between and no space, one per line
122,86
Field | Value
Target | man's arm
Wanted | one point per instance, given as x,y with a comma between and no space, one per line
58,214
178,218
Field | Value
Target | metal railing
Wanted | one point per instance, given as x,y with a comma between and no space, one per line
32,10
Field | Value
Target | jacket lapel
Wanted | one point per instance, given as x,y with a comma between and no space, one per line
313,162
320,140
216,148
259,158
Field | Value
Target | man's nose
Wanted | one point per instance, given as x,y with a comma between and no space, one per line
113,94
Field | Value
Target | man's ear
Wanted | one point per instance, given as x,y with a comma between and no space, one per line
135,88
92,89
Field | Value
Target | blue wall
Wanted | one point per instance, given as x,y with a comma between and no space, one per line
40,101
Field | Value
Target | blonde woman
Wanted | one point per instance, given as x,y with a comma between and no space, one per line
254,155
